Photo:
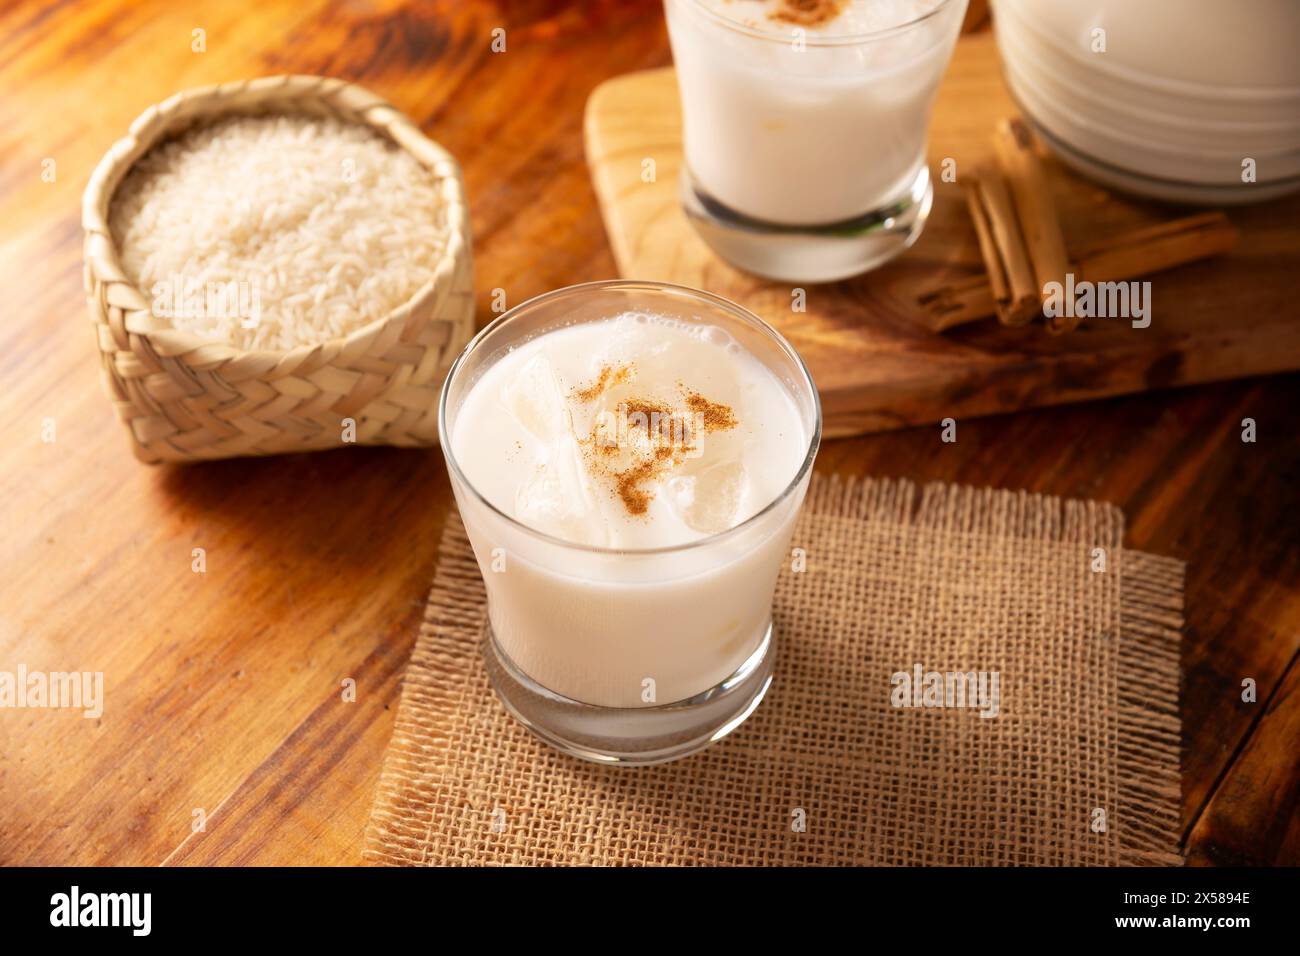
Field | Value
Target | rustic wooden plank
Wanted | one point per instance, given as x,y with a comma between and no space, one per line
223,689
1253,818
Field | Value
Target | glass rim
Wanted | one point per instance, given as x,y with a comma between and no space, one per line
815,40
602,285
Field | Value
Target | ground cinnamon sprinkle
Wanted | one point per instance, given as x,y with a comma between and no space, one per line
643,406
807,13
717,417
610,376
628,483
671,433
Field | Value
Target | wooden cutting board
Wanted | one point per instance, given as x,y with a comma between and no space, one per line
875,362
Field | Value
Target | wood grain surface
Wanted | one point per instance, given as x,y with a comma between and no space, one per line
876,364
223,689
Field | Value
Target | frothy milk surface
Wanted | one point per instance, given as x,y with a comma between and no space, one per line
637,431
822,17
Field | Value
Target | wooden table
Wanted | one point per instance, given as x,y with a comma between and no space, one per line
223,688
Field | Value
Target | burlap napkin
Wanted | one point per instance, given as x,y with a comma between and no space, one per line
1079,765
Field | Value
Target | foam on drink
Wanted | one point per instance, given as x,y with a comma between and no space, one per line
635,432
823,17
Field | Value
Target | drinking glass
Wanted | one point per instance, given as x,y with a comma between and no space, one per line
805,151
629,656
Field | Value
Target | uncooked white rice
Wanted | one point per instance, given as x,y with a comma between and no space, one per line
322,225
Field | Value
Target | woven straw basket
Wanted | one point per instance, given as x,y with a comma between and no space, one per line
186,398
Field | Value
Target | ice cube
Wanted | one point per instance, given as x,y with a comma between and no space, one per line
709,501
536,401
557,498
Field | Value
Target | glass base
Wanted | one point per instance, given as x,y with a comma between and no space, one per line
811,254
632,736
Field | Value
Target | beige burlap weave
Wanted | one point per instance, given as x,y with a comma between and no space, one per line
1080,766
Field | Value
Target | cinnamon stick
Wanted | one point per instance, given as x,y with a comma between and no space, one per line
1123,257
1002,246
1014,144
1158,247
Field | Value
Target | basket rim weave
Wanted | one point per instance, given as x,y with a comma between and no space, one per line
282,93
